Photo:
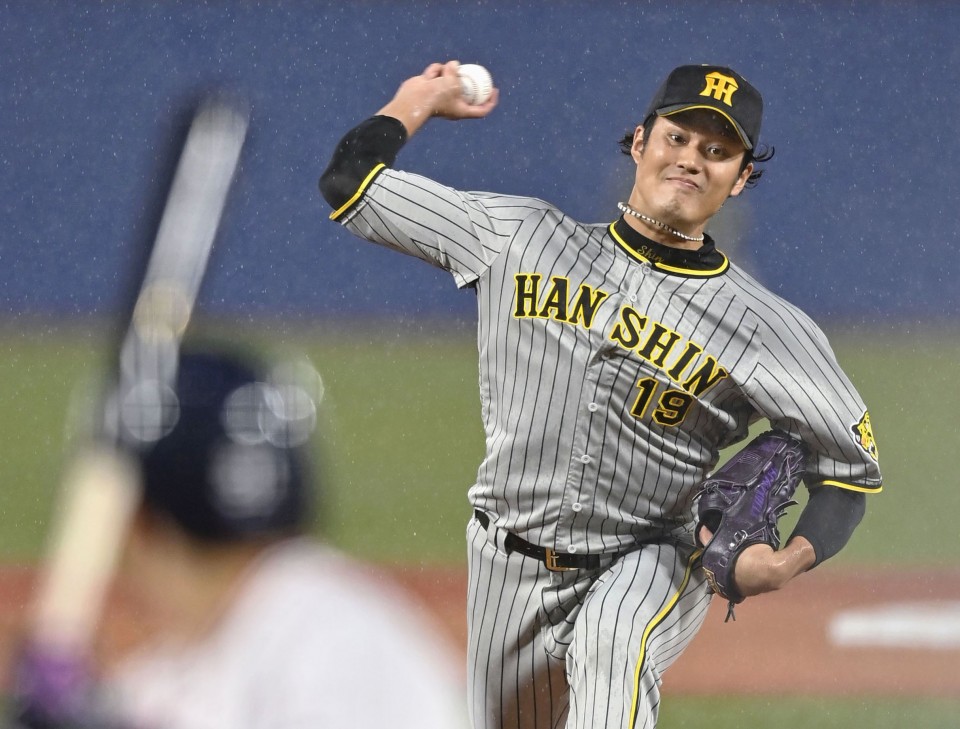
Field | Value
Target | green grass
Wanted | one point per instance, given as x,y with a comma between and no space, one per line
39,374
405,441
807,713
800,713
402,438
910,386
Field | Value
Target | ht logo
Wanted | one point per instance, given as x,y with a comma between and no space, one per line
720,87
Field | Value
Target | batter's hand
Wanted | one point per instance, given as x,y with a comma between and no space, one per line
435,92
761,569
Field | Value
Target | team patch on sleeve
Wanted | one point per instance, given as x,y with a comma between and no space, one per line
864,435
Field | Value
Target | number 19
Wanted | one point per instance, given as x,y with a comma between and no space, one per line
672,405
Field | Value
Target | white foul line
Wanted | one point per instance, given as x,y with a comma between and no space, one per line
926,625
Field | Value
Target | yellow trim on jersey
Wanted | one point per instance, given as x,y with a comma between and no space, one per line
658,618
694,272
623,244
356,196
663,266
852,487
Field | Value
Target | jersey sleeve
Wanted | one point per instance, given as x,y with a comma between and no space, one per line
799,386
460,232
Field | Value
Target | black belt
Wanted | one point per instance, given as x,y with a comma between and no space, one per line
554,562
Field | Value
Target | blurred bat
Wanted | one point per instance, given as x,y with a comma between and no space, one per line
100,486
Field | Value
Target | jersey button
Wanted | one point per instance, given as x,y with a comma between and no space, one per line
572,549
577,507
585,459
632,297
593,407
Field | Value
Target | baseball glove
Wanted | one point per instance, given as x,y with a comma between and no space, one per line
742,502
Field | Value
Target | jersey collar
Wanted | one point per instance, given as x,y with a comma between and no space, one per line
702,263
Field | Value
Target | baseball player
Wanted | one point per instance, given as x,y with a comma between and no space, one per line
259,625
616,361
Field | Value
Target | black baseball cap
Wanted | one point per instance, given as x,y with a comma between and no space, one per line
717,88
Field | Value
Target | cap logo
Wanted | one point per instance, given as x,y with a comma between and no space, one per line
720,87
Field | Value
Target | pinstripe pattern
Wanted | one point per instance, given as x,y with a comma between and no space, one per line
608,385
607,634
556,397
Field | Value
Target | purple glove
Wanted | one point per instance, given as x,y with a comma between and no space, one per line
51,689
742,502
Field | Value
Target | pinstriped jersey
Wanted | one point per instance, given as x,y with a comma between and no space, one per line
610,378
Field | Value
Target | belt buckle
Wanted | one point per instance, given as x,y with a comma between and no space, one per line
550,560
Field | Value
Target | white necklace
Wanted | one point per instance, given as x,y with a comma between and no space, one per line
624,208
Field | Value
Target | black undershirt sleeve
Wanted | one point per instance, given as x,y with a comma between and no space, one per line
829,518
374,141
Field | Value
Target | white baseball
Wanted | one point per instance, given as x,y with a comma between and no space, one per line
476,83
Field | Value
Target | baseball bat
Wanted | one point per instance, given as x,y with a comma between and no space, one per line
100,485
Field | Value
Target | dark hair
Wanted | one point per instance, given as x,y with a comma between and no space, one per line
761,154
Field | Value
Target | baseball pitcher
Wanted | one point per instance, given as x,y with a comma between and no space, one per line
616,361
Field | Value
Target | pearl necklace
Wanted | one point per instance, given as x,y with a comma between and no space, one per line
624,208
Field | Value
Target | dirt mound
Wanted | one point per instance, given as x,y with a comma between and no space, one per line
832,632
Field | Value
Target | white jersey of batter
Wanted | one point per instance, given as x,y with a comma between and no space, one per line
310,641
610,379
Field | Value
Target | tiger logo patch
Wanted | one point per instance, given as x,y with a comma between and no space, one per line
864,435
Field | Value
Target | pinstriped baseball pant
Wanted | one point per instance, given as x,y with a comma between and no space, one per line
577,649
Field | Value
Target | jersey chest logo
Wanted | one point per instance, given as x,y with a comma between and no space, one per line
689,371
535,299
682,360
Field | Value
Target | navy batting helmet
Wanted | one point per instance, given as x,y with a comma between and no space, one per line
224,453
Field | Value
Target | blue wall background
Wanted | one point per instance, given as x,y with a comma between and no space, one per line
855,220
